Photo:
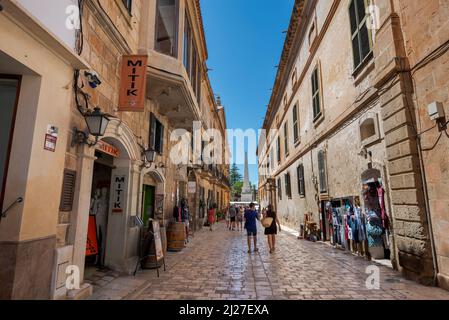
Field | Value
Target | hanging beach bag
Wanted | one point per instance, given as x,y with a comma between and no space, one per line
267,222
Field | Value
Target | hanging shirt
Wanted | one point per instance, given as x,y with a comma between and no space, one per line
381,195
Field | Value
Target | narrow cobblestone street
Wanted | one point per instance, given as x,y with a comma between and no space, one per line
216,266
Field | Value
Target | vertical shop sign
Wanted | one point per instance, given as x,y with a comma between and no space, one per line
133,82
118,195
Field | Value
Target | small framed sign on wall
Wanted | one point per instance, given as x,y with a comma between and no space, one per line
51,138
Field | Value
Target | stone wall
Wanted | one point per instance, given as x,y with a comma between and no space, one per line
425,27
407,193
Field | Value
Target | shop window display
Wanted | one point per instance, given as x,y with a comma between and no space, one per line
377,227
346,222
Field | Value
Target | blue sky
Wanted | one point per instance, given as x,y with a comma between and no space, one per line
245,41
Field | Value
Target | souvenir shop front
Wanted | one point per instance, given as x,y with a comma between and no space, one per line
359,225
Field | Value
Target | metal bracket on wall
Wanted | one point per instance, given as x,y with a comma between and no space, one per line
18,200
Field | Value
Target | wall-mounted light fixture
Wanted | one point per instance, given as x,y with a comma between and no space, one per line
149,157
97,123
436,113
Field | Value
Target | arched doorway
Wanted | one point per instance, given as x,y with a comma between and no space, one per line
378,223
107,192
109,205
153,196
195,197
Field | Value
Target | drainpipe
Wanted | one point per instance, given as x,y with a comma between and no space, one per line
429,217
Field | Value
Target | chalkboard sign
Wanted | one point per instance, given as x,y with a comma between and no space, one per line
157,241
152,254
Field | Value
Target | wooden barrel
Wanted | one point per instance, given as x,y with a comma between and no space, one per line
176,236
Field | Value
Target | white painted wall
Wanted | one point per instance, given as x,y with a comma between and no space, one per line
52,14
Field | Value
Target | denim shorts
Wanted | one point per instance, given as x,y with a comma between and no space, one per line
252,233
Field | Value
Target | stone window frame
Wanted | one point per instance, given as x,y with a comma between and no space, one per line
176,48
323,180
364,60
301,180
317,118
156,135
376,136
296,124
312,34
288,185
295,77
191,57
128,5
286,140
126,12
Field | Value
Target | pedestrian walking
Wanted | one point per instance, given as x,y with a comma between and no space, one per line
251,217
270,222
232,216
211,217
227,218
239,218
185,217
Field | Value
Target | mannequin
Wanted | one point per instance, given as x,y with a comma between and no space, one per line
99,208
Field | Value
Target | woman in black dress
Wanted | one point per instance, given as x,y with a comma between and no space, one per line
272,230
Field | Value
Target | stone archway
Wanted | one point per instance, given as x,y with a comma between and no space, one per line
122,253
194,200
154,177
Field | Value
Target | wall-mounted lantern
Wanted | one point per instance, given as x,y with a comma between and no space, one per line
97,123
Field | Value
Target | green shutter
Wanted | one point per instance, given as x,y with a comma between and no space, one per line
152,139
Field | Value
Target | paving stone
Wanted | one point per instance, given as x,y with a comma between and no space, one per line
216,266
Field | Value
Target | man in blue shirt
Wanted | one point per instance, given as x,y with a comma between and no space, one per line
251,217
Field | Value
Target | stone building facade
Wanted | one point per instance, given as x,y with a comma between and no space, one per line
350,109
113,173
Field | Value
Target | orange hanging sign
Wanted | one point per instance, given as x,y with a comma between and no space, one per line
133,83
92,242
108,149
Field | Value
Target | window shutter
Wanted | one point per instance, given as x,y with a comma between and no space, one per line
301,182
279,149
295,124
288,189
68,191
152,140
316,94
322,172
279,189
161,138
361,38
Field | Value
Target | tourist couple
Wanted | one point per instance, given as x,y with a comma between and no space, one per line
269,221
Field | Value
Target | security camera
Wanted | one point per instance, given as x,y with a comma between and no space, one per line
92,78
363,152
